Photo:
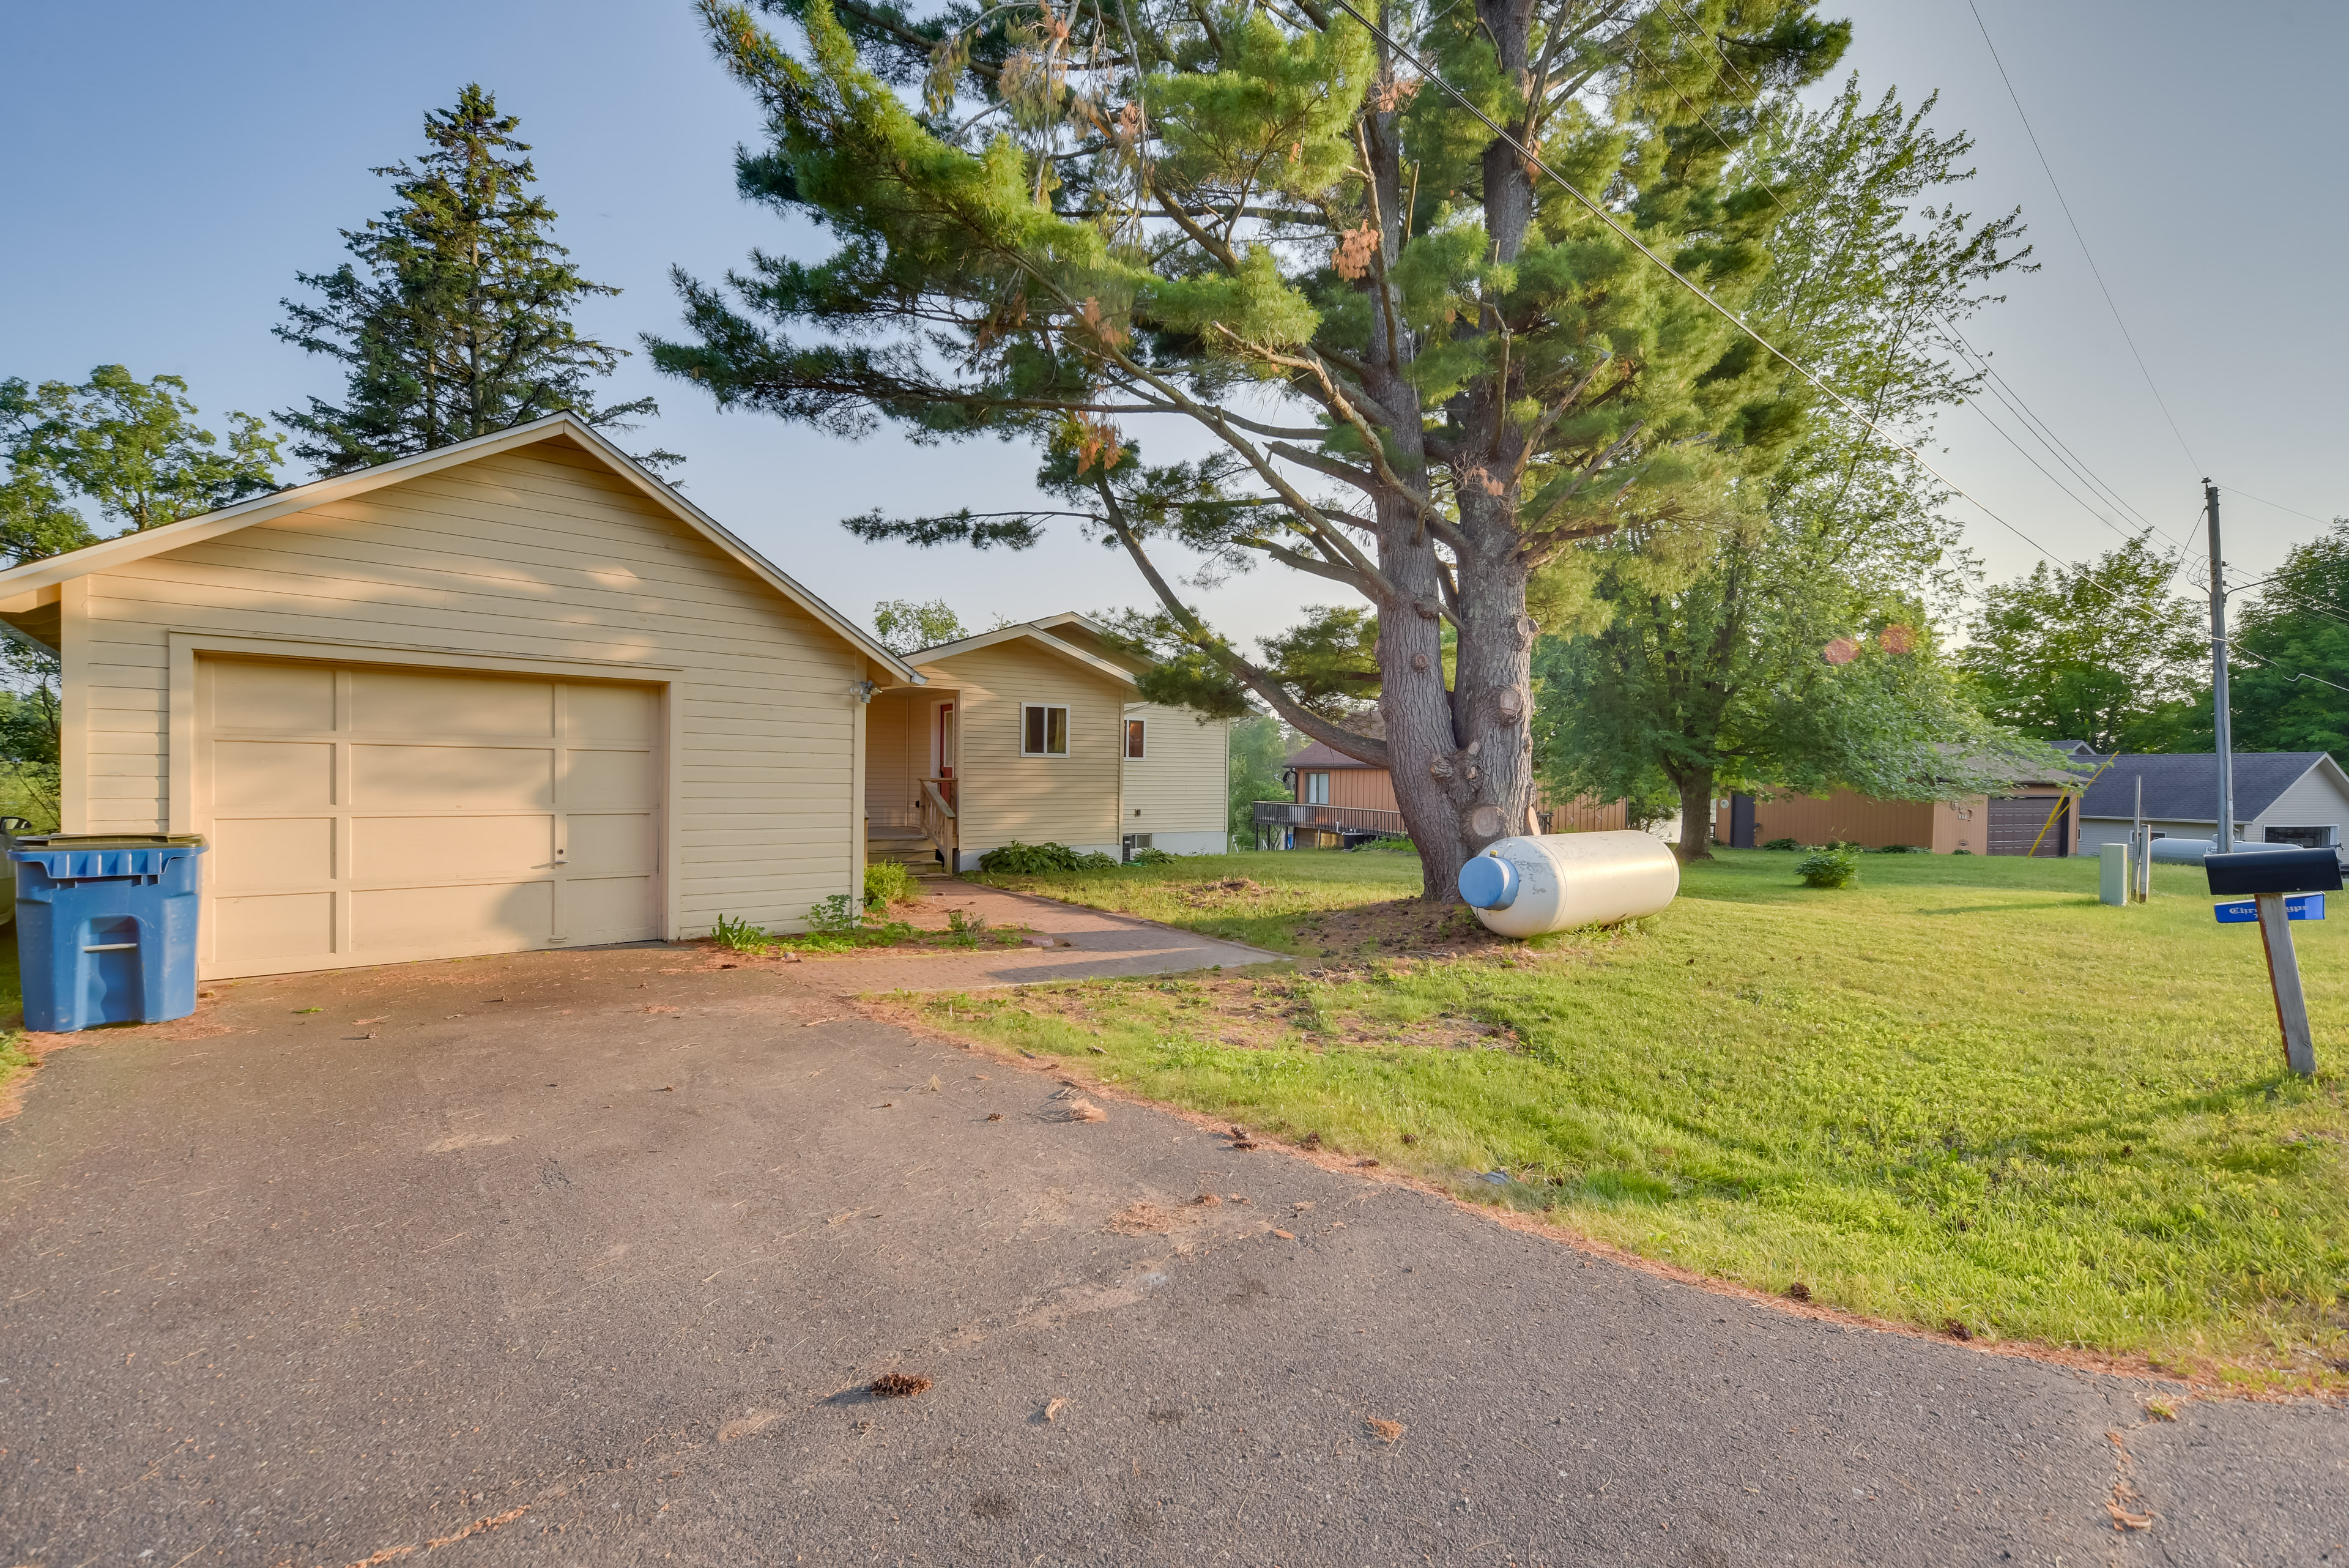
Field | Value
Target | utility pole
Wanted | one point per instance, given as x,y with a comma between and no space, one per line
2222,727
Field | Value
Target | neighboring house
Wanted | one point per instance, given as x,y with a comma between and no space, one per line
1351,797
1036,732
515,693
2033,812
2281,797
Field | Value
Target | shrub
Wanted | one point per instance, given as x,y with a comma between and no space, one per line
835,917
738,936
1904,849
1783,844
1835,867
1153,857
1018,859
1094,860
887,882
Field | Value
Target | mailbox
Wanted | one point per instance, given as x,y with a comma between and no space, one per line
2260,871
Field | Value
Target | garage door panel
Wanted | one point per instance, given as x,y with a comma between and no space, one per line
478,917
273,852
609,909
364,815
296,698
435,778
396,701
268,929
450,848
626,714
615,843
273,775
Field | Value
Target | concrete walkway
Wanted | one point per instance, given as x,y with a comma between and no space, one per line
1085,944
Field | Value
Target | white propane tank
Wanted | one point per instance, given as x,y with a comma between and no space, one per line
1524,886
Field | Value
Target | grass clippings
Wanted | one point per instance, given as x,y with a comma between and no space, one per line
1085,1111
1143,1218
897,1385
1384,1431
1053,1407
1907,1099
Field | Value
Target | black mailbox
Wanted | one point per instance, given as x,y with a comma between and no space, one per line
2255,871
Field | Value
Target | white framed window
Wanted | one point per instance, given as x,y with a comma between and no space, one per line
1137,739
1043,729
1313,789
2307,837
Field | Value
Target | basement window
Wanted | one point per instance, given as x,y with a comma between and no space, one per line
1043,731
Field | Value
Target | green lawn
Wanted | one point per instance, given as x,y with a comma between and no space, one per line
1962,1094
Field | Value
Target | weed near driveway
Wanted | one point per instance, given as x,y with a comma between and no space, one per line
1962,1092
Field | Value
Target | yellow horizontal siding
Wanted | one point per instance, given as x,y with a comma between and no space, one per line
1182,784
525,554
1003,795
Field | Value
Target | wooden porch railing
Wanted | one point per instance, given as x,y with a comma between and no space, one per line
936,812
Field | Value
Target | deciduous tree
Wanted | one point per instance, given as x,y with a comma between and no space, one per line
117,454
2107,652
1791,645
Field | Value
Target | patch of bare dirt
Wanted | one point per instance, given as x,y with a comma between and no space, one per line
1247,1013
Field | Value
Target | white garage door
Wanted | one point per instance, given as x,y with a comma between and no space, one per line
362,814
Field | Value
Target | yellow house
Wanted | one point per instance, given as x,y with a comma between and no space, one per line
1036,732
515,693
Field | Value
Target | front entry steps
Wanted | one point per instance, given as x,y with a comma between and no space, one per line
908,846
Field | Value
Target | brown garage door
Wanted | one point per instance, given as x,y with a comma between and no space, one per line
2015,821
361,815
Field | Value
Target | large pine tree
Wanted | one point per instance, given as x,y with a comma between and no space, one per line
454,316
1423,368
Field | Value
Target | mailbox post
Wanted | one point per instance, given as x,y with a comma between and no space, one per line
2269,877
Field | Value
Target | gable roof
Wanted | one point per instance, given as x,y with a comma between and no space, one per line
1026,631
1317,758
565,427
2185,788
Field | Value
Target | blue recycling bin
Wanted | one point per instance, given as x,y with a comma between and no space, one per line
106,929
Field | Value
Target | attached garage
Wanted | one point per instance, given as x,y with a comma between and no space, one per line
510,695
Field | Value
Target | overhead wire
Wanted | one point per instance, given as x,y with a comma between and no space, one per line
1999,388
1534,162
2093,270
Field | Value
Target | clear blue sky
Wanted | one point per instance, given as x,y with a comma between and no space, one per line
169,167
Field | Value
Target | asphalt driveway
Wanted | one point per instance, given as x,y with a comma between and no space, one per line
586,1257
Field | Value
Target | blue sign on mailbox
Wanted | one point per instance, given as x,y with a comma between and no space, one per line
2246,911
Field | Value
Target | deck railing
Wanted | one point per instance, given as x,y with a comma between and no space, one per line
1338,819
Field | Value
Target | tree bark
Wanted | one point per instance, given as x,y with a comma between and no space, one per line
1695,786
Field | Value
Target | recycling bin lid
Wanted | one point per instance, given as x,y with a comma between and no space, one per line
108,840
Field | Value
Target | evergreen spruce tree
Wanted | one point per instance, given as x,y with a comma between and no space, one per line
1423,370
454,319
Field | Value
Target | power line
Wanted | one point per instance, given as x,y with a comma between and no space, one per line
2093,270
1533,161
1999,387
2324,522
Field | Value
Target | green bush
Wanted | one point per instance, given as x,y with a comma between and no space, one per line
887,882
1018,859
1094,860
1783,844
1904,849
1838,866
1153,857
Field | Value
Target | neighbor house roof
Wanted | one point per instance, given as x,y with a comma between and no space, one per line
567,427
1316,757
2185,788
